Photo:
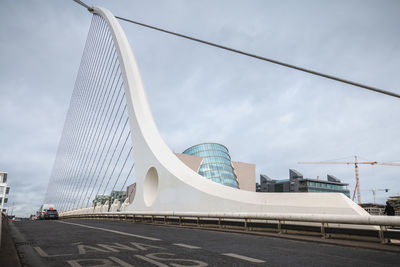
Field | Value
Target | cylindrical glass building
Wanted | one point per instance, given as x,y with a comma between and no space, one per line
216,165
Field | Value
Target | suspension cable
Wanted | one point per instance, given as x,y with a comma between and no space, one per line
291,66
265,59
84,5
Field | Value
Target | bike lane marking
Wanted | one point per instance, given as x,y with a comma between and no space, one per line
186,246
112,231
237,256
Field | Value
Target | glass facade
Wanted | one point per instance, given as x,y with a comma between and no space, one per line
216,165
313,186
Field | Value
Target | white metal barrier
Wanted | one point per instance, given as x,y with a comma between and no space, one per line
374,227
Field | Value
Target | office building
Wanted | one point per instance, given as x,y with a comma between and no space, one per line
212,161
119,195
297,183
4,190
101,199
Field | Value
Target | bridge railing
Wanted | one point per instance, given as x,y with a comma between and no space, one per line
369,228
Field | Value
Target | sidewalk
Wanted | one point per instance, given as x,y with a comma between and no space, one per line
8,252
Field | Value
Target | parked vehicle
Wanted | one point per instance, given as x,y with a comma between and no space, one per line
47,211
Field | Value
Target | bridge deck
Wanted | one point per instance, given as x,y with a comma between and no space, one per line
91,242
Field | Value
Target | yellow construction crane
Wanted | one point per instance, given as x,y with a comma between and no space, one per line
356,163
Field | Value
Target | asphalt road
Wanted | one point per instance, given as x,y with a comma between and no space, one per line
115,243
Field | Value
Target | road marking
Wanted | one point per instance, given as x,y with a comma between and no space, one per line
121,262
159,264
243,257
186,246
104,262
116,247
113,231
43,253
83,249
158,256
142,246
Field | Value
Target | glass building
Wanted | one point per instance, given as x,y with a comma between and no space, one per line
296,183
216,164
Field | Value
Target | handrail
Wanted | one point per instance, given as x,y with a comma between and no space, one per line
317,218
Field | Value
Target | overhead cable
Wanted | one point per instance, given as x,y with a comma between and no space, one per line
84,5
335,78
265,59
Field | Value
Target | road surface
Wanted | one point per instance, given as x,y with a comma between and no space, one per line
116,243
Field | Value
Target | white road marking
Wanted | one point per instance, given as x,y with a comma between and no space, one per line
83,249
161,257
121,262
243,257
112,231
159,264
186,246
76,263
43,253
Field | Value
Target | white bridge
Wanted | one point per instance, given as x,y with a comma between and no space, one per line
109,122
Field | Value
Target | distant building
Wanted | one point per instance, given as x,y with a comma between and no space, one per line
266,184
245,174
101,199
4,190
297,183
120,195
213,162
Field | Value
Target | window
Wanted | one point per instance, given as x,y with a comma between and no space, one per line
279,188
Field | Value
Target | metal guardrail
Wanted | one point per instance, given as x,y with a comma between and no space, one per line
327,226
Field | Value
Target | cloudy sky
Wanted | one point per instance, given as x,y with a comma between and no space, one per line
265,114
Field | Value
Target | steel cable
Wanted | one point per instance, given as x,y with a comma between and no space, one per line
112,156
83,136
84,99
120,172
86,68
116,162
105,144
95,136
102,132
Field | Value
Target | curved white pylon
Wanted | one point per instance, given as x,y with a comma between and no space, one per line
164,183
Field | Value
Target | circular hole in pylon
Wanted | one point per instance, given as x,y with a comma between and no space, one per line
150,187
